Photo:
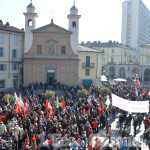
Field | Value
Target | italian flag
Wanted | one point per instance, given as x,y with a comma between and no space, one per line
19,100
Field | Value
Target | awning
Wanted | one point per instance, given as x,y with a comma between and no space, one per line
87,81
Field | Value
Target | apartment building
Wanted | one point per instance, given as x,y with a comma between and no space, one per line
135,24
11,54
118,60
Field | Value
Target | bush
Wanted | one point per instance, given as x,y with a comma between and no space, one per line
11,98
82,92
49,94
105,91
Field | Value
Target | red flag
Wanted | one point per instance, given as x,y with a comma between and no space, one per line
35,146
24,118
18,108
47,104
63,104
50,108
99,112
139,82
89,110
34,139
26,107
143,93
83,110
99,95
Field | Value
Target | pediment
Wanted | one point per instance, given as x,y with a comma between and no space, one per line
52,28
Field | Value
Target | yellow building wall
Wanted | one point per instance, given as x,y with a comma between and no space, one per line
8,74
93,71
121,55
144,55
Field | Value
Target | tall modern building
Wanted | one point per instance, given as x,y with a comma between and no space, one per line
135,23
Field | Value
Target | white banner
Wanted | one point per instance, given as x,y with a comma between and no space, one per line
130,106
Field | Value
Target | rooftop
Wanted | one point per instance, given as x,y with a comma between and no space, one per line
110,43
88,49
9,28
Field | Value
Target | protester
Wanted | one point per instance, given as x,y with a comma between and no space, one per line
40,121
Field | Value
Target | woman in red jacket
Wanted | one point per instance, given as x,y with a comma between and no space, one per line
26,143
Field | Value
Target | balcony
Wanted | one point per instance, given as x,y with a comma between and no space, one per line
17,60
111,63
88,65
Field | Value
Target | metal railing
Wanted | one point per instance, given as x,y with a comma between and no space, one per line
88,65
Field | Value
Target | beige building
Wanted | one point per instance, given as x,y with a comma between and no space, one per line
145,62
118,60
90,66
49,55
11,54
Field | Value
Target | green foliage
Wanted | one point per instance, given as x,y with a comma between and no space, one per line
82,92
50,94
11,98
105,90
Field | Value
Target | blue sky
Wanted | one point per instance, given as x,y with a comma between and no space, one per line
100,19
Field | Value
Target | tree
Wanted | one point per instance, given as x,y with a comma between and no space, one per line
105,91
11,98
49,94
82,92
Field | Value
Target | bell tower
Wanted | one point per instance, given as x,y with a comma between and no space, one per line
30,24
73,18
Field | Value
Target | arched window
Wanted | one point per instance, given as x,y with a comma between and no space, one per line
74,24
30,23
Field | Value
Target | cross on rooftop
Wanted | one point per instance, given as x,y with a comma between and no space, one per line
52,16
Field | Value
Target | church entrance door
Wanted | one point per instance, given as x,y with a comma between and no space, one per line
50,78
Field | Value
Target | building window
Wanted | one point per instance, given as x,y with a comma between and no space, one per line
148,60
63,50
30,23
15,66
2,83
2,52
122,52
74,24
87,72
14,53
15,40
112,59
112,51
51,49
2,38
39,49
103,59
3,67
87,61
148,51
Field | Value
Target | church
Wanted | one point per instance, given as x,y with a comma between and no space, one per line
51,52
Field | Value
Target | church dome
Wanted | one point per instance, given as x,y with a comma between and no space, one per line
30,5
74,8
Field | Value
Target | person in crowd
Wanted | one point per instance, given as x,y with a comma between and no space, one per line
109,133
75,118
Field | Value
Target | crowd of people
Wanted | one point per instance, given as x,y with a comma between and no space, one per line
71,122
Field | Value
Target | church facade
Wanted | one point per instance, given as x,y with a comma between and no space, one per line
51,52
